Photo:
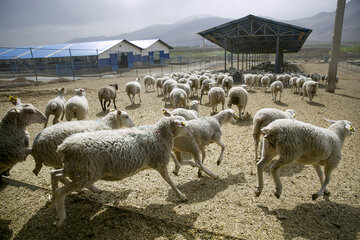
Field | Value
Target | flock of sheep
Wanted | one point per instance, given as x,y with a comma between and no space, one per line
85,151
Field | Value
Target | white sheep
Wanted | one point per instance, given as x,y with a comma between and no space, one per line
299,83
107,94
114,155
168,85
204,131
132,88
265,82
216,96
149,81
77,106
14,139
276,87
238,96
194,85
303,143
309,88
264,117
46,142
227,83
190,114
178,98
56,106
249,80
207,84
292,83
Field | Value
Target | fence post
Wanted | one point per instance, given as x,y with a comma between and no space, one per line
72,65
98,65
32,57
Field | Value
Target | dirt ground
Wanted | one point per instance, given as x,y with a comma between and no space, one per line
145,207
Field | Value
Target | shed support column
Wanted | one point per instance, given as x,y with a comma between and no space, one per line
277,58
231,59
238,62
336,39
242,61
225,59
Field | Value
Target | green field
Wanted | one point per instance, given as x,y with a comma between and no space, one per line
351,48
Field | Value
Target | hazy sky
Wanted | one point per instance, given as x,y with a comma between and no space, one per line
32,22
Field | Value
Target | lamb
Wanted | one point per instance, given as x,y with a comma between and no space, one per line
207,84
56,106
227,83
292,83
132,88
300,142
276,87
46,142
158,86
265,116
127,152
249,80
185,87
265,82
107,94
193,113
149,81
168,86
194,85
238,96
178,98
216,96
309,88
14,139
77,106
204,131
299,83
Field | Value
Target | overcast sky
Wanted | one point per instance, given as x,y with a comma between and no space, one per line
33,22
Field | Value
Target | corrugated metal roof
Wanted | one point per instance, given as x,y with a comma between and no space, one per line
256,34
59,50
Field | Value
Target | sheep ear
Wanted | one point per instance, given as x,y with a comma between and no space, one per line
265,131
119,112
166,112
15,110
330,121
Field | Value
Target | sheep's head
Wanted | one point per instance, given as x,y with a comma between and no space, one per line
60,91
345,124
121,118
115,86
80,92
179,128
291,113
166,112
26,114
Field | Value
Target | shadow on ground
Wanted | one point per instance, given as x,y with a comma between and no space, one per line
318,220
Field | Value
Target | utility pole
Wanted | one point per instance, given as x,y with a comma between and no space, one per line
335,47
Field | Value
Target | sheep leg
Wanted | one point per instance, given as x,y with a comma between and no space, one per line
321,176
114,103
177,159
201,167
266,156
165,175
222,145
56,119
283,161
56,175
38,166
139,97
62,116
108,103
60,195
130,99
328,171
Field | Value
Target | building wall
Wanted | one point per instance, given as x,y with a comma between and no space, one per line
157,46
120,47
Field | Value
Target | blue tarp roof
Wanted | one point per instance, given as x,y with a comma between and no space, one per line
58,50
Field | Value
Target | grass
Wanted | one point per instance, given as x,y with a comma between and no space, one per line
351,48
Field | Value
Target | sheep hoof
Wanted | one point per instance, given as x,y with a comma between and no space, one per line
175,173
35,172
59,223
315,196
183,197
327,192
257,193
219,162
277,195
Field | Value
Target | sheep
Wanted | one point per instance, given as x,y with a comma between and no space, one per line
276,87
249,80
149,81
193,113
265,82
227,83
292,83
309,88
299,83
178,98
216,96
194,85
56,106
303,143
167,87
238,96
14,100
132,88
14,139
204,131
158,86
265,116
207,84
123,154
107,94
77,106
46,142
286,79
185,87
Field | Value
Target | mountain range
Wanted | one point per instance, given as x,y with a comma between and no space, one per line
184,32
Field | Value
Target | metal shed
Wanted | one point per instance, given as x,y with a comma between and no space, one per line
252,34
